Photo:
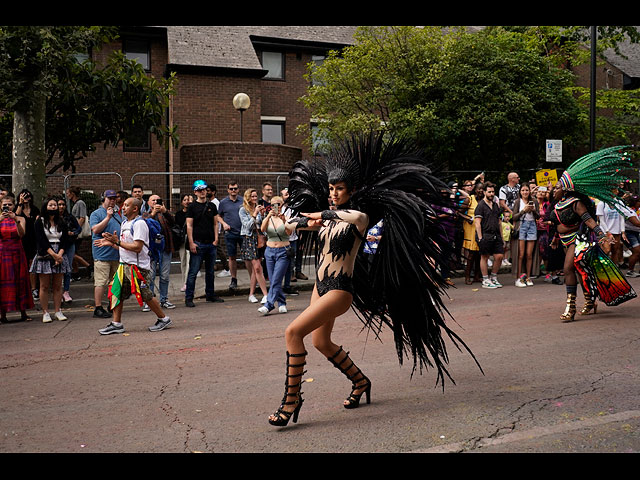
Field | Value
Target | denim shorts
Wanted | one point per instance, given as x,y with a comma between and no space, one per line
634,238
528,230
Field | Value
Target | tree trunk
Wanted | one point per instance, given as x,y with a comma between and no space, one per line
29,150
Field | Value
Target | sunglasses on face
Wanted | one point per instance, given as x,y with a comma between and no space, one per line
233,188
276,204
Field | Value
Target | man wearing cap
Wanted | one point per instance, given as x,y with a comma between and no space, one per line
105,258
202,233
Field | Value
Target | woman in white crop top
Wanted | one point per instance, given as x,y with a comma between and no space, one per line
50,264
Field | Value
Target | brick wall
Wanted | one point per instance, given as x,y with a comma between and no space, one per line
239,157
203,111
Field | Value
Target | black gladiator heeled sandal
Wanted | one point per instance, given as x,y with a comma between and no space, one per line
357,378
282,416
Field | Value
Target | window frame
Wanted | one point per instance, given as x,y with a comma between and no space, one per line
146,41
282,65
276,121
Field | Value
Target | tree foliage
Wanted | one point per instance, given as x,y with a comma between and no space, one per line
482,100
102,105
86,104
475,100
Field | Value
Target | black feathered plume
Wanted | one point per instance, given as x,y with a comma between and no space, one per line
402,287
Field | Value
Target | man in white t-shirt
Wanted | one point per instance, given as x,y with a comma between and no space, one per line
133,246
507,196
612,224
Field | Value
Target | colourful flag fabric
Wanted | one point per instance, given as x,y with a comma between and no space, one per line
116,285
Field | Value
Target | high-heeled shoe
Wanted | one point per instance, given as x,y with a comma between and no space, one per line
570,310
282,416
358,380
589,304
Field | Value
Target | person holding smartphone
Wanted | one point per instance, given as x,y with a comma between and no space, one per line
526,212
277,255
15,287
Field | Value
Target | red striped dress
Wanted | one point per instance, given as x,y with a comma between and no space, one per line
15,286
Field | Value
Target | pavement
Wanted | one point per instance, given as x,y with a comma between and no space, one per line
209,383
82,291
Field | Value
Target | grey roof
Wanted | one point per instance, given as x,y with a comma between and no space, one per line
231,46
629,65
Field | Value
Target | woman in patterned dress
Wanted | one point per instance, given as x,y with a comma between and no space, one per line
250,216
15,287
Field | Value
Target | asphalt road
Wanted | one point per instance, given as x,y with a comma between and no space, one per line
209,383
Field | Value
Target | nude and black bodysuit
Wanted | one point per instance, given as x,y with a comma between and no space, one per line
339,241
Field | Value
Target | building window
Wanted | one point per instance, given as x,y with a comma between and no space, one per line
320,144
317,61
273,62
137,140
140,51
273,130
81,57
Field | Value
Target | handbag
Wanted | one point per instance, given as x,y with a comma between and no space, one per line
262,240
179,233
86,229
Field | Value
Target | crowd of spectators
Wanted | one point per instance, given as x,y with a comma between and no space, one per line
489,227
509,227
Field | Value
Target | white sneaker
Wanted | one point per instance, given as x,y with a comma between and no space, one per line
146,308
263,310
46,318
529,282
282,309
253,299
506,262
496,283
60,316
488,284
224,273
264,300
520,283
632,273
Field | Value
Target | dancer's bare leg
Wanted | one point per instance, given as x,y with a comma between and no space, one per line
321,312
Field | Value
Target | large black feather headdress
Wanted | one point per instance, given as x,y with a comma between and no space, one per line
402,287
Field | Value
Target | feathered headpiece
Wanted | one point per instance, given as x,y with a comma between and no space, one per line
402,287
597,174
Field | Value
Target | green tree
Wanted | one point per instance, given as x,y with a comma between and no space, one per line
62,107
475,101
618,111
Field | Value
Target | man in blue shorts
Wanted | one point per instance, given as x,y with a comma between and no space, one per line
229,217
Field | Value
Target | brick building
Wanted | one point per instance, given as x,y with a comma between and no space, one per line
212,65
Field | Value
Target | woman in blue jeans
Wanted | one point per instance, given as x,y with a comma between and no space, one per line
276,255
526,211
74,231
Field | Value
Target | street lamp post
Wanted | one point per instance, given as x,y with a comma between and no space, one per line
241,102
592,113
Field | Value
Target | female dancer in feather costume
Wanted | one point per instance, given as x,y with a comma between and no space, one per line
368,179
594,175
